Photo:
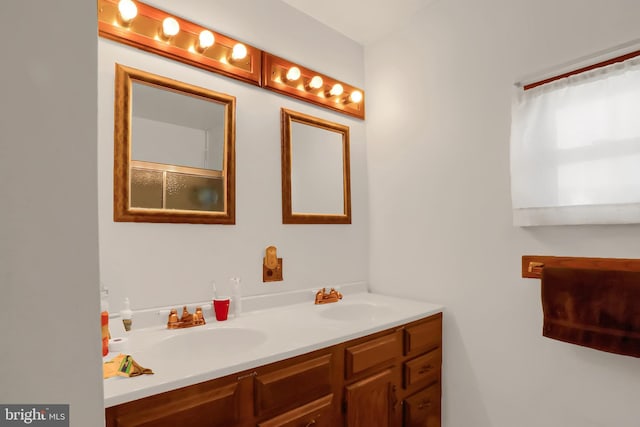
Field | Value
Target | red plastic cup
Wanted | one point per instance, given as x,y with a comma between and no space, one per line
221,308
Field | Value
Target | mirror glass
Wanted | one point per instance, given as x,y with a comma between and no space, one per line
174,151
315,170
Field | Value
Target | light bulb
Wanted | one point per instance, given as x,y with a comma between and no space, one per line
128,10
170,27
316,82
293,73
206,39
239,51
356,96
336,90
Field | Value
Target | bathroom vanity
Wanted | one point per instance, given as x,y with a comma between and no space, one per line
368,361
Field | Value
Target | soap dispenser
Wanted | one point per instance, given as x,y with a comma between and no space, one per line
104,319
236,296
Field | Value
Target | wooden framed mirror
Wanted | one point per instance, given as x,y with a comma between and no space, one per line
316,180
174,151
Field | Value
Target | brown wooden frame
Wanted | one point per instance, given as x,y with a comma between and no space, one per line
532,265
122,210
290,217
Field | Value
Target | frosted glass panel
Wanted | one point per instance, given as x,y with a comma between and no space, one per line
194,192
146,189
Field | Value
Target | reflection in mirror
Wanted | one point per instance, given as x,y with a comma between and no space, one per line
174,151
315,170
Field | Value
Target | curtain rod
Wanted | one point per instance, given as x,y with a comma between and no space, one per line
600,64
577,63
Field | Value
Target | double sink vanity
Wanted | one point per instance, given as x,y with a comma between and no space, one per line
367,360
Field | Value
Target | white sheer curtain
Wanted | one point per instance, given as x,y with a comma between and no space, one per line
575,149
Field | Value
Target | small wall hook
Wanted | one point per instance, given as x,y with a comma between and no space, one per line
271,266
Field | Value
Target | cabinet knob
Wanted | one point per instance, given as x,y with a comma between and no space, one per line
311,423
426,403
425,369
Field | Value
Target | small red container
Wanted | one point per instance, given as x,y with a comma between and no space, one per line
221,308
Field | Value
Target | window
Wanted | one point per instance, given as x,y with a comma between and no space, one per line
575,148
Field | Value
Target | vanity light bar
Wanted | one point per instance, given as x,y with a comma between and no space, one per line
145,27
288,78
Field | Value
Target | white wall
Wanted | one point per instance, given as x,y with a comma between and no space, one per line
167,264
49,304
438,153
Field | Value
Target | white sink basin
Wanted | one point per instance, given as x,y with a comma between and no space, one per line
353,312
195,342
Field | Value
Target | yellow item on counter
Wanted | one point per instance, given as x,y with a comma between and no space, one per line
110,367
123,365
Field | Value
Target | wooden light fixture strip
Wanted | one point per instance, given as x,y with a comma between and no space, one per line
143,32
532,265
259,68
274,78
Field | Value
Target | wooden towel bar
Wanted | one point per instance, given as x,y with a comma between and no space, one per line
532,265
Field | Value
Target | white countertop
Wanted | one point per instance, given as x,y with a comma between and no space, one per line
188,356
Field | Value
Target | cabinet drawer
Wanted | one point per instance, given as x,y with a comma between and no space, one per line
317,414
423,408
173,409
372,353
423,336
293,386
423,368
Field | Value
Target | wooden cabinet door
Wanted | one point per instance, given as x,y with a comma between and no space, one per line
370,402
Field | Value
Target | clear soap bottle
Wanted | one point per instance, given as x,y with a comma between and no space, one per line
236,296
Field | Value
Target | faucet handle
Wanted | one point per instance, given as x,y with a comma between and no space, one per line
198,317
173,321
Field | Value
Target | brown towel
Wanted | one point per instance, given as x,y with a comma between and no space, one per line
593,308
